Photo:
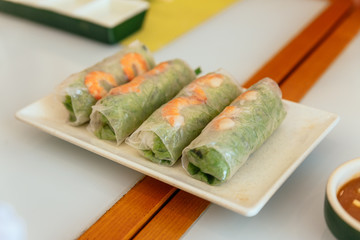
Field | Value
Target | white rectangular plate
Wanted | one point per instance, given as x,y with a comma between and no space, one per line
250,188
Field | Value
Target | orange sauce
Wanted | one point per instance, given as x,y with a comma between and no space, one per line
349,197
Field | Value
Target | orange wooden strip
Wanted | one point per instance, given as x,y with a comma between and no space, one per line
175,218
131,212
291,55
296,86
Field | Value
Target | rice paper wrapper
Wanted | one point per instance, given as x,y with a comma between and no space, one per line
80,91
118,114
229,139
163,136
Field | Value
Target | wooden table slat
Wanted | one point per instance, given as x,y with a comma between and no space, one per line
305,76
296,50
175,218
132,211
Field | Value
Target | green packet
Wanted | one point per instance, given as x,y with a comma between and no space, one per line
117,115
228,140
80,91
163,136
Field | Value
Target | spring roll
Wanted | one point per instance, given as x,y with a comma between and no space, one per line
229,139
82,90
163,136
117,115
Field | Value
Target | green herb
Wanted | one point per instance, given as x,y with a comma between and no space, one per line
68,105
198,71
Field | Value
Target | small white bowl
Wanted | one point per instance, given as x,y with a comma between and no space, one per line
341,223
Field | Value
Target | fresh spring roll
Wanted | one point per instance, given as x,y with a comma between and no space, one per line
228,140
163,136
118,114
80,91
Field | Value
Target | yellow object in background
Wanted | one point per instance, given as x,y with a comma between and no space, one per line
169,19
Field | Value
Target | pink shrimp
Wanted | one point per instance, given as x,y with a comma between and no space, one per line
134,85
133,64
171,111
223,121
158,69
247,96
93,83
211,80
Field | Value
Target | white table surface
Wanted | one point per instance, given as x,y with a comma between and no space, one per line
59,189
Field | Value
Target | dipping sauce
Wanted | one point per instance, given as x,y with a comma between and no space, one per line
349,197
